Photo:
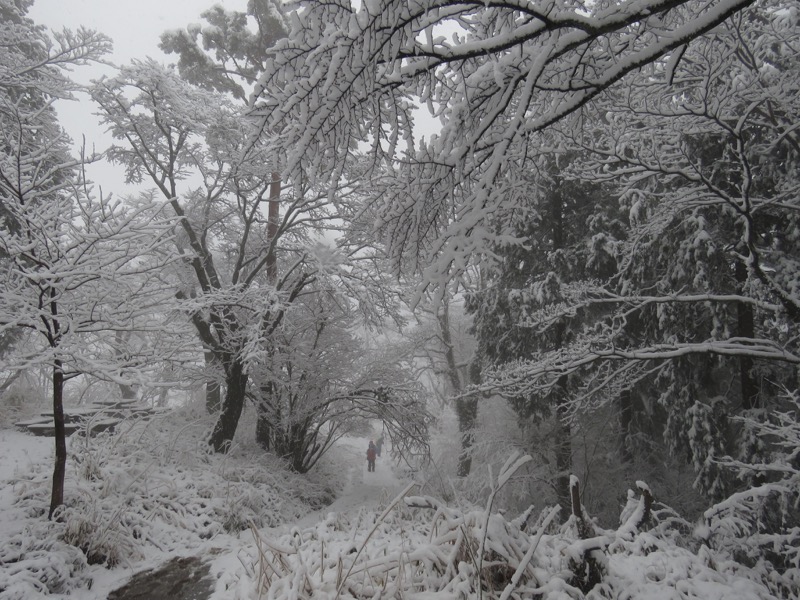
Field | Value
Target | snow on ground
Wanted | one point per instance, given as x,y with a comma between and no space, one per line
363,492
22,453
153,492
363,489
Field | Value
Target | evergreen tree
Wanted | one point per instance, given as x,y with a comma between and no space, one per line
567,234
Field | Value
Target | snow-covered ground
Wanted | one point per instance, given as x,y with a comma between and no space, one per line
22,455
153,492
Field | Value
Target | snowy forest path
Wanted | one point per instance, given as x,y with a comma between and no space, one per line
363,489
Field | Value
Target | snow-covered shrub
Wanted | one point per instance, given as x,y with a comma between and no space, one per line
105,537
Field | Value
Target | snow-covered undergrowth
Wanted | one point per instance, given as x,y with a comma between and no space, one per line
151,489
420,549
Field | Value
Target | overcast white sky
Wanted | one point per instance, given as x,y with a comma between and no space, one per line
135,27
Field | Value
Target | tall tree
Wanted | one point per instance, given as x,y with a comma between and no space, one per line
230,286
227,55
567,229
171,129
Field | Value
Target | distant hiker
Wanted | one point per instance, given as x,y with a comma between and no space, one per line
371,456
379,445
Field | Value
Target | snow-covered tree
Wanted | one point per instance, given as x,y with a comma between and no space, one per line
226,54
245,263
558,224
170,130
75,267
314,380
701,310
758,525
495,73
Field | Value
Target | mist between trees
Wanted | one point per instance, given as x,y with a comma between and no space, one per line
595,260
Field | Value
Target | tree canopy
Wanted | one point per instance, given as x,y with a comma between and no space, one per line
495,73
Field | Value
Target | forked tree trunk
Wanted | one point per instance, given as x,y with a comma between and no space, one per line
59,469
235,388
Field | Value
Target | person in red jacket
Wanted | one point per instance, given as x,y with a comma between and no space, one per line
371,456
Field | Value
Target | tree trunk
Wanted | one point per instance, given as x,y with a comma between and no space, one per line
467,412
563,448
263,431
466,408
213,396
625,421
59,469
263,424
126,391
236,386
263,428
745,328
563,442
273,222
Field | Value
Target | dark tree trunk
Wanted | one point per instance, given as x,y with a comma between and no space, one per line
235,388
264,431
59,469
273,223
563,448
625,422
467,413
745,328
213,396
263,425
563,442
563,459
